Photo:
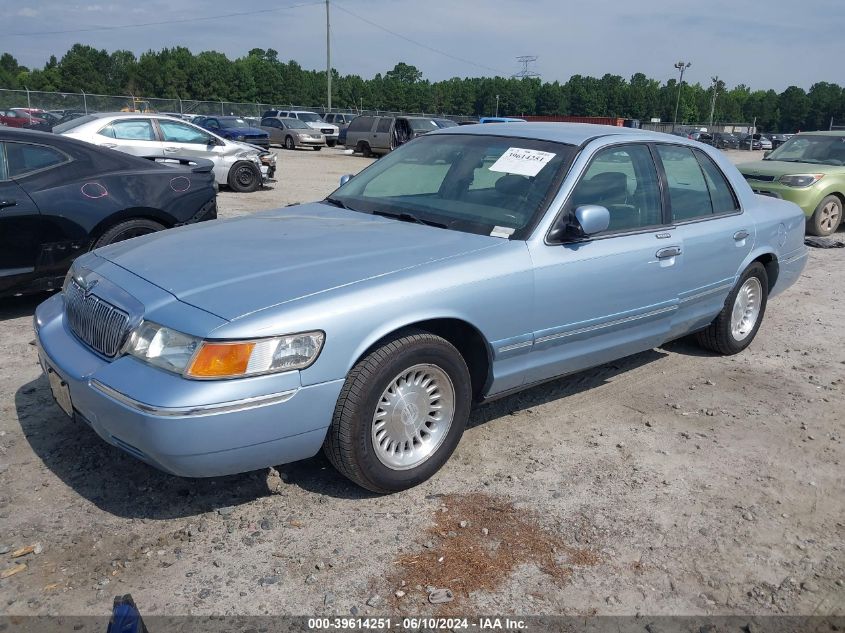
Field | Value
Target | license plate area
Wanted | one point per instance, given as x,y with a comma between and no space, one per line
61,393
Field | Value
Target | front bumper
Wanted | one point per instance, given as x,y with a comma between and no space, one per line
806,198
185,427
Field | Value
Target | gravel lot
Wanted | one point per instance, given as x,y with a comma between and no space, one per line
671,482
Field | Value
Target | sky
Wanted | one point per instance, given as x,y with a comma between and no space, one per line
761,43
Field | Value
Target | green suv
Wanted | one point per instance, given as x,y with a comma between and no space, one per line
809,170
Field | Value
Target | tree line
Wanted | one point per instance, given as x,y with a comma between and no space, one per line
261,77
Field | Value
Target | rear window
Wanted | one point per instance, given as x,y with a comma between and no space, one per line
23,158
73,123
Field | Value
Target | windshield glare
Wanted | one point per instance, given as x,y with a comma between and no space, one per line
822,150
463,181
309,117
297,124
232,123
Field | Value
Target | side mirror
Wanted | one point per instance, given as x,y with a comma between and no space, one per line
345,178
588,219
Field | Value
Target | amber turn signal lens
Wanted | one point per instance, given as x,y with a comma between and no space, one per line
221,360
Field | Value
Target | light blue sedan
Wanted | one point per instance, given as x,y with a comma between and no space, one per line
467,265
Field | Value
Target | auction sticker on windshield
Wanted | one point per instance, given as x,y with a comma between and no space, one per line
523,162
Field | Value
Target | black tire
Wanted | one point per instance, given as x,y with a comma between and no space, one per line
331,143
244,177
317,148
127,230
826,218
364,148
349,443
289,143
718,336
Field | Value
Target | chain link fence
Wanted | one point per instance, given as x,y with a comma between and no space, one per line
88,103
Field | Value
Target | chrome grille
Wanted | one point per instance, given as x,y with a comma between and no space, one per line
99,324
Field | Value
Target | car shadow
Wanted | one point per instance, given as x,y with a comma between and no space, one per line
123,486
17,307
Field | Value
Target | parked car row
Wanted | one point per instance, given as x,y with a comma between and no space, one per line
238,165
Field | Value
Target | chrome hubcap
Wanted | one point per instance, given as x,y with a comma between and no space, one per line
746,308
829,216
413,416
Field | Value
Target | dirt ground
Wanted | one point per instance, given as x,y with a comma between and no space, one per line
671,482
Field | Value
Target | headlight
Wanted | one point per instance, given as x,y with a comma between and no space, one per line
800,180
196,358
162,346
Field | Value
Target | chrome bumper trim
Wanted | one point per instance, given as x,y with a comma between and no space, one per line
200,410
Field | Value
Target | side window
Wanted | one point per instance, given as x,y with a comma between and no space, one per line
689,196
624,180
361,124
212,123
721,195
4,172
329,118
132,130
23,158
174,132
384,125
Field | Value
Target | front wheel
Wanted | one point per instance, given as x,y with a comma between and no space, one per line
826,218
331,143
289,144
738,322
401,413
244,177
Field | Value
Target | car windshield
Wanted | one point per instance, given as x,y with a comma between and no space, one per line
73,123
445,123
232,123
473,183
422,125
820,150
309,117
296,124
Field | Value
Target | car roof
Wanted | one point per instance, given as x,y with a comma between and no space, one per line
822,133
569,133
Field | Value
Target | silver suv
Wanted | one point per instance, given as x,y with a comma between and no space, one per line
369,135
311,119
241,166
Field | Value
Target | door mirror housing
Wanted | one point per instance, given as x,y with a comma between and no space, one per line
345,178
587,220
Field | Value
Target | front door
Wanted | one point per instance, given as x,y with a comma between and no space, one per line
20,231
613,294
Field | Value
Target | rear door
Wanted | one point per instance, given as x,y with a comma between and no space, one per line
717,236
380,137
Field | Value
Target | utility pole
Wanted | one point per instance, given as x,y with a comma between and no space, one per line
328,57
713,98
681,66
497,105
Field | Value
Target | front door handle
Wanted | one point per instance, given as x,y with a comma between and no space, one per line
171,149
741,235
8,203
669,251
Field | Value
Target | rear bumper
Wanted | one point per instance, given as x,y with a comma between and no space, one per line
184,427
790,268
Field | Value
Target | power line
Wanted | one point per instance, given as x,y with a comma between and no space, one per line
163,22
420,44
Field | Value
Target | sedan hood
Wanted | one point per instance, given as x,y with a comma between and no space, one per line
236,267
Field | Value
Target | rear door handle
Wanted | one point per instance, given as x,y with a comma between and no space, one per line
109,145
8,203
669,251
171,149
741,235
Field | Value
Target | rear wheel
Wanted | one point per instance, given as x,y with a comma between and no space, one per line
826,218
244,177
400,413
364,149
127,230
738,322
289,144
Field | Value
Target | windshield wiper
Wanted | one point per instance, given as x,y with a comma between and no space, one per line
410,217
338,203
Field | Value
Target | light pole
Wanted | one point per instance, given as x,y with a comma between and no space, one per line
497,105
713,98
328,58
681,66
